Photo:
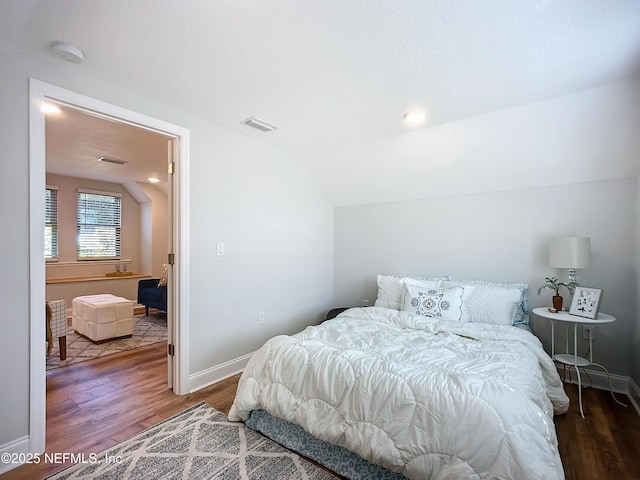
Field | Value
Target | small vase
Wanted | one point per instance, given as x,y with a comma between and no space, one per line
557,302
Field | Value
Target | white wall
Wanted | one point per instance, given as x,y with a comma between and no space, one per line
278,235
277,224
14,294
501,237
155,228
581,137
635,365
146,236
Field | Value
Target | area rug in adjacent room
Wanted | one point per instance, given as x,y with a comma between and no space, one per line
147,330
198,443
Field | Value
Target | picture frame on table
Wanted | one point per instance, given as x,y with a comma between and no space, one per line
586,302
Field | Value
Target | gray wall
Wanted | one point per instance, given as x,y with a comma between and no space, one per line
501,237
276,222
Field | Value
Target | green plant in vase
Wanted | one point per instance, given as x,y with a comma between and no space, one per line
552,283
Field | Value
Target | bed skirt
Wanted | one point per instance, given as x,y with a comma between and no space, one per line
336,458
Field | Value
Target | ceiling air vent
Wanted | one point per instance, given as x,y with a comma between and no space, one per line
112,160
259,124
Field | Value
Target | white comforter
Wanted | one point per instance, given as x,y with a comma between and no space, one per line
426,398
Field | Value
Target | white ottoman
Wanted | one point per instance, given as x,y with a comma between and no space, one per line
103,317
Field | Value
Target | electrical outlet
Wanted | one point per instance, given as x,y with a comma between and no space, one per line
261,318
587,332
365,302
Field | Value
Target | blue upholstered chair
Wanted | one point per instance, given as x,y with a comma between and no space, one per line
152,295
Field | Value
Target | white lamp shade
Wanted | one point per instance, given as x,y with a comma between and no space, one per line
570,252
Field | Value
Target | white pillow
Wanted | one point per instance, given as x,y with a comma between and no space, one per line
522,312
489,304
391,289
444,303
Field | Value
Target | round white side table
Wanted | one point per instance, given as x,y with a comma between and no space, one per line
572,359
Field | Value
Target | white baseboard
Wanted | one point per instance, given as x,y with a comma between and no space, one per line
634,395
596,379
215,374
15,447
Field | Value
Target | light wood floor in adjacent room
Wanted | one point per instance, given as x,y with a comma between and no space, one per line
93,405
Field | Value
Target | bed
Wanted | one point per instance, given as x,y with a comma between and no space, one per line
434,381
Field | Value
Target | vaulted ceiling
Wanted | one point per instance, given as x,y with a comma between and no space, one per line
336,72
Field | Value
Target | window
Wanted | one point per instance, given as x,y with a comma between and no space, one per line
99,216
51,224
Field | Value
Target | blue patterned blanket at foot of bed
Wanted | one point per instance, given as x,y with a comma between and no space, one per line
336,458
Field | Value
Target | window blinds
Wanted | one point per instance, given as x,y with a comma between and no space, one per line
51,224
99,216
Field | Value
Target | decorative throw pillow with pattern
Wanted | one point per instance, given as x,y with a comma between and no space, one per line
164,277
445,303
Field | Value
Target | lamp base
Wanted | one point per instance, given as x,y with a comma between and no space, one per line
573,280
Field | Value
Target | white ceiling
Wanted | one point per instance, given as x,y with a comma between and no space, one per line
337,72
76,140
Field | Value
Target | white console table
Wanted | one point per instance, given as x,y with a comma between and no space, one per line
572,359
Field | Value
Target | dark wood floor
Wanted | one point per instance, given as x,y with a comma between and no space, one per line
93,405
603,445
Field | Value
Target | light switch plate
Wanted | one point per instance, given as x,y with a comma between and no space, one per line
220,249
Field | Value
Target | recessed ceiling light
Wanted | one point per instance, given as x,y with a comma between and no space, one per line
415,117
49,108
154,179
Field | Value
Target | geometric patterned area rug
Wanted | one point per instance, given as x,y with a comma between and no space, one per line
147,330
198,443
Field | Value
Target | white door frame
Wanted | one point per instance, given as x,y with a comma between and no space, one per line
38,92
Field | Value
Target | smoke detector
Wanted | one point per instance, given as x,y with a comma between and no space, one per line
67,52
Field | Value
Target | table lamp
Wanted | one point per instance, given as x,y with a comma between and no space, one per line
571,253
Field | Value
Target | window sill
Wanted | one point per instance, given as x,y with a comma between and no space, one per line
94,278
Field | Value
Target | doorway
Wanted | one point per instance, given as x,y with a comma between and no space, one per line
177,314
88,156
